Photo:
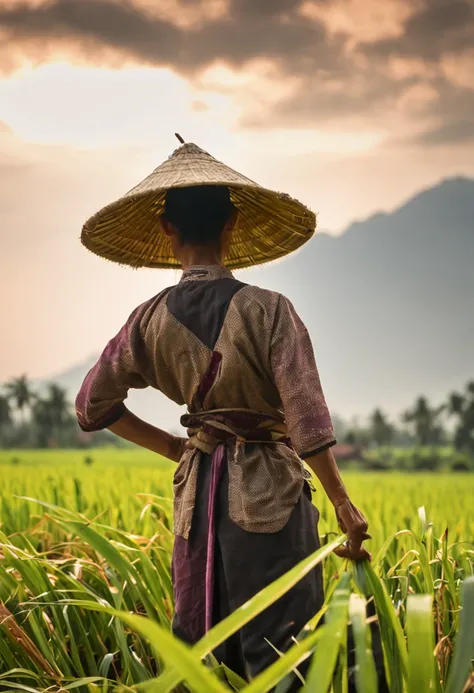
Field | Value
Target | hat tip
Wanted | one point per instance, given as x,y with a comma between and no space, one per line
179,138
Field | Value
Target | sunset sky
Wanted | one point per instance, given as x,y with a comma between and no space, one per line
350,105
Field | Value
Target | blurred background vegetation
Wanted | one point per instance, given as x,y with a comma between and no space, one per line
427,436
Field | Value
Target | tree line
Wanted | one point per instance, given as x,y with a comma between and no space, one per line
32,419
422,425
41,420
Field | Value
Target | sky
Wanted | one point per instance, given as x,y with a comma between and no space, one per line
351,106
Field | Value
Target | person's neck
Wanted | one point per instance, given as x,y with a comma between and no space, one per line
199,257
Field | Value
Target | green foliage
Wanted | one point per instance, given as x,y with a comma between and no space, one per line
462,408
29,419
86,596
366,675
381,430
19,392
425,421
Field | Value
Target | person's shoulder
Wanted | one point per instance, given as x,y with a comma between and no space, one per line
269,301
258,293
259,298
145,310
154,300
261,293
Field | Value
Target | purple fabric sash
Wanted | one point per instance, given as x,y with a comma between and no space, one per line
217,465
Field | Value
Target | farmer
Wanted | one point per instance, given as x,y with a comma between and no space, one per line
242,361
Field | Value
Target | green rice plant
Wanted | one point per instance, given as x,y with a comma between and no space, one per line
421,661
366,675
86,595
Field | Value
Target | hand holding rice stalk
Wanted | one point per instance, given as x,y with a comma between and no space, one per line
349,518
353,523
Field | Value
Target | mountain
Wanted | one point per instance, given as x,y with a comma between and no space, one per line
389,305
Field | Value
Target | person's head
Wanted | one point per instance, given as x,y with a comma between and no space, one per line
199,219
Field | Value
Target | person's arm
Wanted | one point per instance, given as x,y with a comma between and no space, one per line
308,420
350,519
124,364
137,431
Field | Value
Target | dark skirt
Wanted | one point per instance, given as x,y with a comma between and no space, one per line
240,564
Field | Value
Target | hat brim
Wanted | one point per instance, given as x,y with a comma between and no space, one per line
269,226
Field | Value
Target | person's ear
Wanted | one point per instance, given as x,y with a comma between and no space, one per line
231,222
167,227
227,231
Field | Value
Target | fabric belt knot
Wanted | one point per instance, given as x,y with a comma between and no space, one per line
207,429
266,476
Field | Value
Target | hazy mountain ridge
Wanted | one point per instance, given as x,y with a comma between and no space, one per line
389,305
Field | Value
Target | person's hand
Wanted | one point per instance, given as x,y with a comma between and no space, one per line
197,440
353,523
201,440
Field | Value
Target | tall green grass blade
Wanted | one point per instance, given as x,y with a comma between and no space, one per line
175,654
235,681
85,681
105,664
122,565
285,664
17,687
20,673
393,639
322,669
75,656
464,643
365,674
104,547
421,662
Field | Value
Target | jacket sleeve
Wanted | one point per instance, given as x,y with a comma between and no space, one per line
297,379
122,365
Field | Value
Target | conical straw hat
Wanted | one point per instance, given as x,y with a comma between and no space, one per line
269,224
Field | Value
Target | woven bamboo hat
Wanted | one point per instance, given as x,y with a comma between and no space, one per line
128,231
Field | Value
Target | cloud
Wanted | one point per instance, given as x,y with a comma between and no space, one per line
108,24
436,29
457,131
248,31
459,68
333,63
362,20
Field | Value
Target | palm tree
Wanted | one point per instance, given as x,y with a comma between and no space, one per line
19,390
456,404
5,414
425,422
5,411
59,403
381,429
57,410
462,408
60,409
43,423
51,416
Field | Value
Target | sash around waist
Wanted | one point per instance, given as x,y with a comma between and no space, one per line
242,425
265,480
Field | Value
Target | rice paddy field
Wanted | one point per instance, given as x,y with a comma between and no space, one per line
86,597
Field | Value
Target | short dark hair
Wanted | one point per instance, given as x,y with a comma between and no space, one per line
199,213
